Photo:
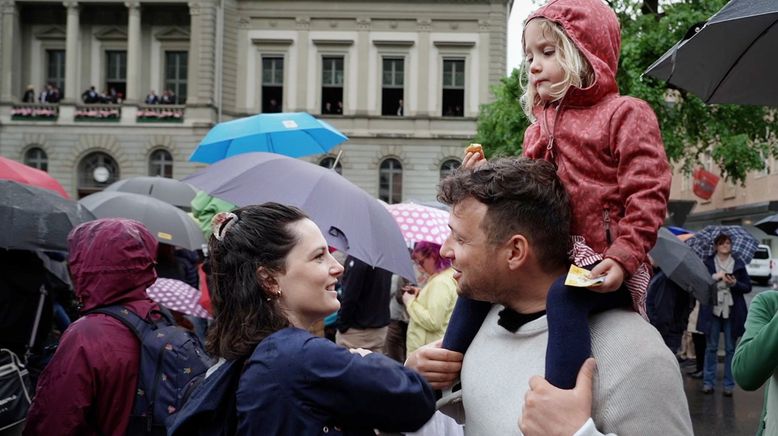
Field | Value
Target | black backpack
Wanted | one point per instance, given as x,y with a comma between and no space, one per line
172,361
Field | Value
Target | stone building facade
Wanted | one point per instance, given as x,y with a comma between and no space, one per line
403,79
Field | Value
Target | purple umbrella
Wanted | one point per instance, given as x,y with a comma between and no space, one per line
352,221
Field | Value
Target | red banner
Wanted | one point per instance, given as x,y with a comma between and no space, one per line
704,183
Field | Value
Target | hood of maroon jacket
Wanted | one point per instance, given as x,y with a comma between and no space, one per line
607,147
89,386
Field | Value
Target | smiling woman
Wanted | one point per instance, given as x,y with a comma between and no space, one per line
273,277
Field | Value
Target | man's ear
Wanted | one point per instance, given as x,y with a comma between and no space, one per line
518,251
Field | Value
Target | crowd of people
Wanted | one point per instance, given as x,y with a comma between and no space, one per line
489,339
50,94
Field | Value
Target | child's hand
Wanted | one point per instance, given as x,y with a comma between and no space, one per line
614,275
473,159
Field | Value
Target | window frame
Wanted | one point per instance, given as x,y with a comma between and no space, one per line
391,194
180,98
43,161
163,164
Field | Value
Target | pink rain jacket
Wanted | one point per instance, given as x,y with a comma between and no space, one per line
89,386
607,147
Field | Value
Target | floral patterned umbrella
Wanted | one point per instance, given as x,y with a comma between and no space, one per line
420,223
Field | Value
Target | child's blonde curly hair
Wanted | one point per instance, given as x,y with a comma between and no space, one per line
578,71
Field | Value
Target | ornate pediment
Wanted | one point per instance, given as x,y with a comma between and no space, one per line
51,33
173,34
111,34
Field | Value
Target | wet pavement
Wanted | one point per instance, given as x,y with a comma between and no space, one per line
717,415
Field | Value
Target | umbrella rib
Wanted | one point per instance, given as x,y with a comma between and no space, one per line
734,64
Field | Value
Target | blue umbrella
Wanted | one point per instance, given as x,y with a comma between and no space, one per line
291,134
350,219
744,245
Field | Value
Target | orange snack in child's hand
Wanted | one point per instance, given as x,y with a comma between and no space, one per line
475,148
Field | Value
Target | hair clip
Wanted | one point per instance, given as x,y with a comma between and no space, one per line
221,223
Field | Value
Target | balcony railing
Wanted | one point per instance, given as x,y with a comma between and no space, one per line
98,112
161,113
34,112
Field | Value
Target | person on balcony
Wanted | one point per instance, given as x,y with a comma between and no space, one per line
152,97
90,96
29,95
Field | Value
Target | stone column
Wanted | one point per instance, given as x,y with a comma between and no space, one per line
424,106
133,52
201,53
299,78
72,52
363,62
9,47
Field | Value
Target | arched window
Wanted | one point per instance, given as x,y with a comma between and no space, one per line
449,167
96,171
328,161
37,158
390,181
161,164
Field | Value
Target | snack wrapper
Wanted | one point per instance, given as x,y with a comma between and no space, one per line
579,277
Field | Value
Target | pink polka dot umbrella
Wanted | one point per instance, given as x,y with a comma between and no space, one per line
420,223
177,295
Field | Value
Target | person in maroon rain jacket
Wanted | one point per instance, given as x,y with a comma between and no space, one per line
89,386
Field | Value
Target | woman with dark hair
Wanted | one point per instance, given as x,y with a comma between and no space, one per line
430,307
273,277
727,314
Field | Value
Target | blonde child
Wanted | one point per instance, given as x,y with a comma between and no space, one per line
609,154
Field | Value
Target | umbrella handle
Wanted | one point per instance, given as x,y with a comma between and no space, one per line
335,164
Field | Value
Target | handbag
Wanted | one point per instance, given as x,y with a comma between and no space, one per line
14,390
15,383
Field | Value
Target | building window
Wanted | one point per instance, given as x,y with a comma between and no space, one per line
116,74
328,161
175,77
449,167
392,91
55,69
332,85
161,164
272,84
96,171
453,87
37,158
390,181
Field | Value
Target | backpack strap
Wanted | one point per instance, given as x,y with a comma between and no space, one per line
135,323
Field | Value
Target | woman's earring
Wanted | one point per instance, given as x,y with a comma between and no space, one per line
277,296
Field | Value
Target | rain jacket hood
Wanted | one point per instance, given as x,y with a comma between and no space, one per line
594,29
111,262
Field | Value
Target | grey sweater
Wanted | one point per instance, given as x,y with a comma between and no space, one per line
638,387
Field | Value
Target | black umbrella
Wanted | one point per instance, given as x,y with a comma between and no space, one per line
682,265
769,225
37,219
729,59
167,223
170,191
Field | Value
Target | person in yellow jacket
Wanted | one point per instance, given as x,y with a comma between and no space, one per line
430,307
